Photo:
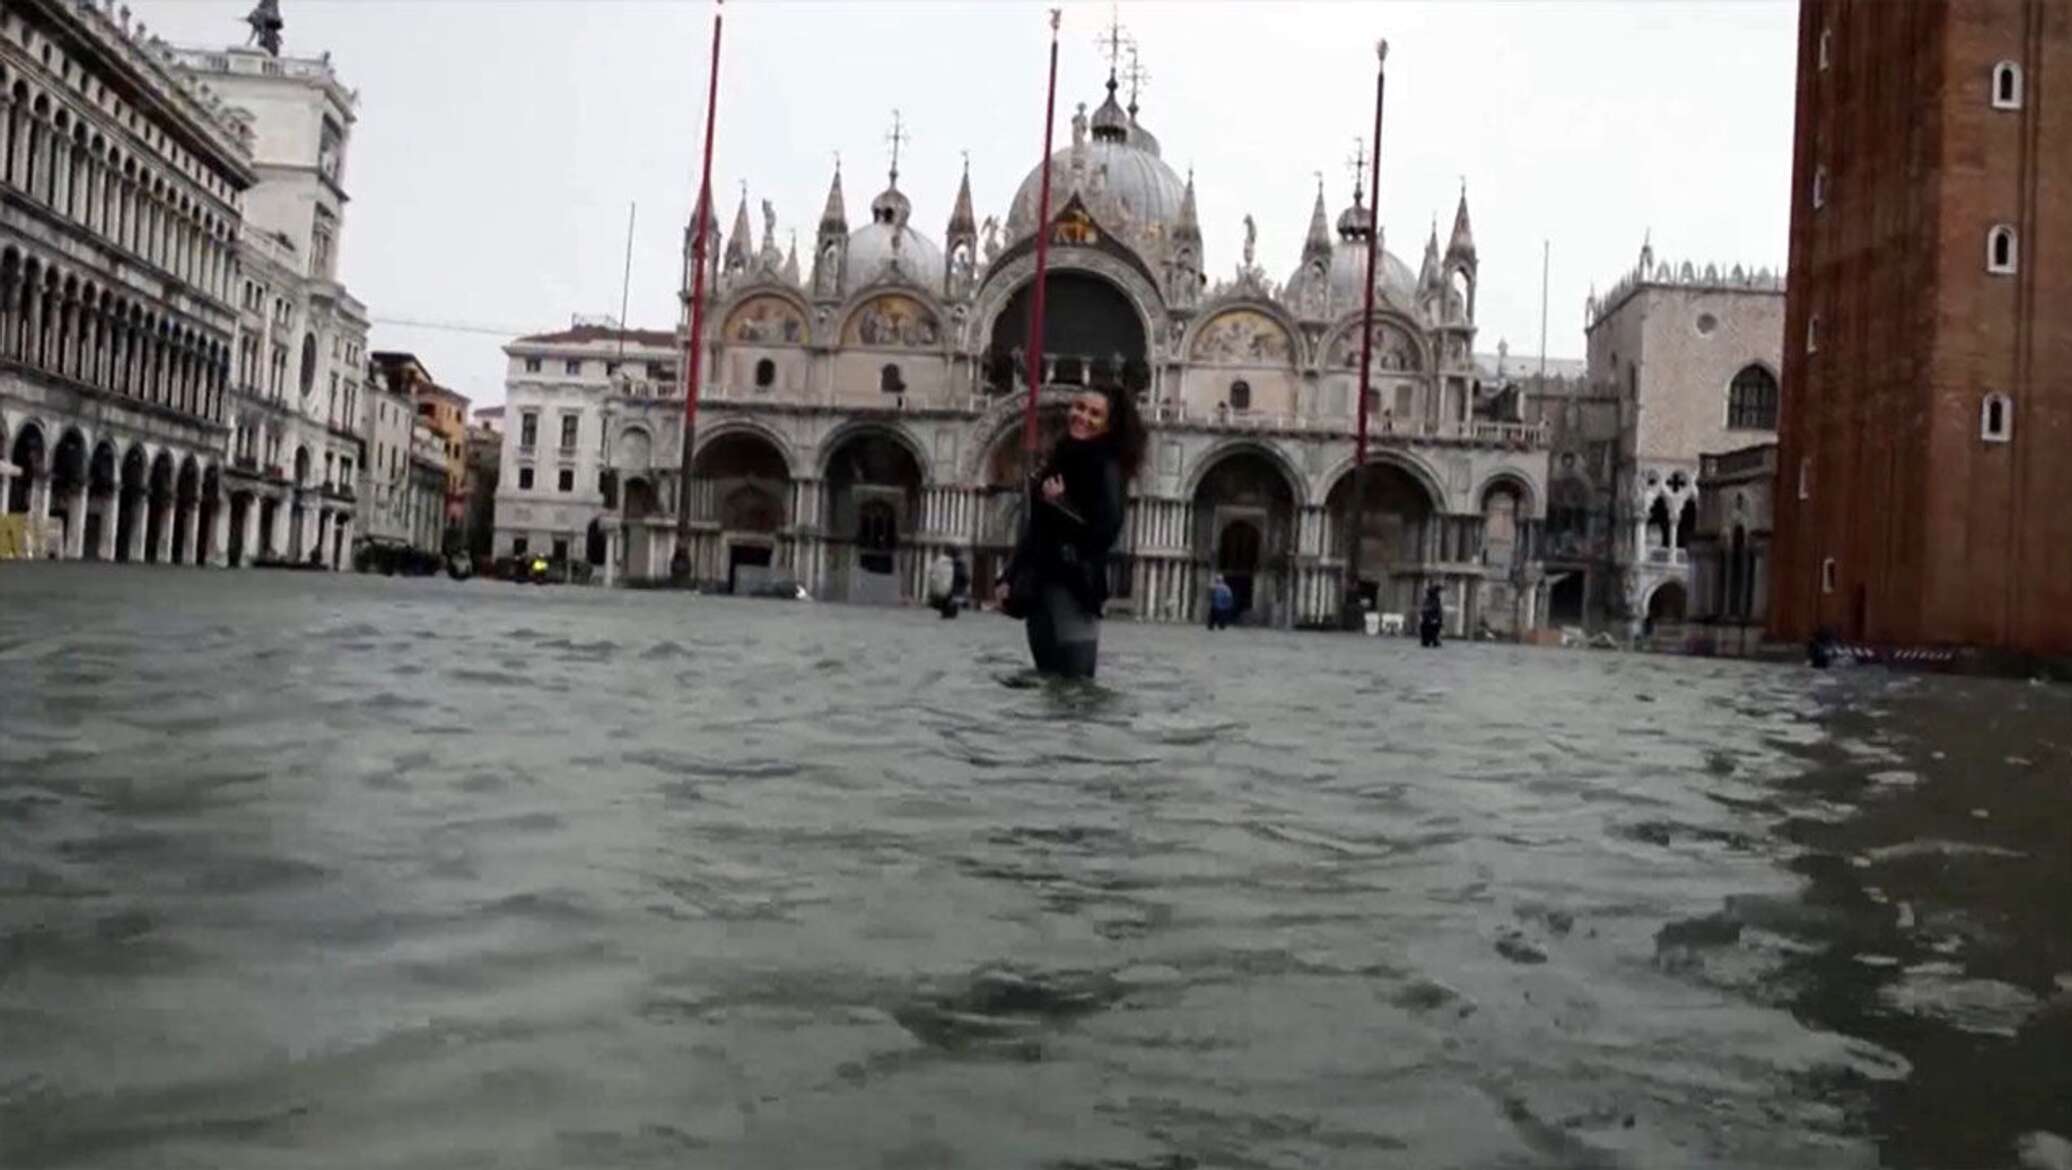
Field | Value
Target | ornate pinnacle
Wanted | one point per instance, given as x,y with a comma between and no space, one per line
1381,51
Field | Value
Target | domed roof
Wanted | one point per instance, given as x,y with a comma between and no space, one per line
874,245
871,249
1349,267
1136,176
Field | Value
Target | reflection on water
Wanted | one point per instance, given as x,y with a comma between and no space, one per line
306,871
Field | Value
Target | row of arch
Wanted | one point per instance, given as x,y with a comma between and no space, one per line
634,446
1283,343
67,325
70,168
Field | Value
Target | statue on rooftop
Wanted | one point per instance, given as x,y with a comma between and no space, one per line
266,25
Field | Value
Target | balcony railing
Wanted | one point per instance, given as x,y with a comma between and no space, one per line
1668,556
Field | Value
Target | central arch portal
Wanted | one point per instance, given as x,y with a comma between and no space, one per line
1091,333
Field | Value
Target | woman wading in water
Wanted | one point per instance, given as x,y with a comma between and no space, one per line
1057,580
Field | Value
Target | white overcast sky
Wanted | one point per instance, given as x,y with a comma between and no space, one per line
500,142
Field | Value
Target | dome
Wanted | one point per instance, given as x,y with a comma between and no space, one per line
1349,266
1136,176
871,247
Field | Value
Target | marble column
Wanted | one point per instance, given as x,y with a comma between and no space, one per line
190,531
133,507
251,548
75,524
163,509
39,515
219,533
277,539
110,513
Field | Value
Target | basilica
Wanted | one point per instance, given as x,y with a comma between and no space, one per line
862,411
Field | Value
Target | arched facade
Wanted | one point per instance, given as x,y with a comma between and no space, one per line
916,347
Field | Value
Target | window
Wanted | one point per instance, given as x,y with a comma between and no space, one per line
1827,575
1813,333
525,479
532,365
889,380
1827,45
561,549
1240,395
2001,255
611,369
765,374
1996,418
566,481
345,472
517,546
608,487
1819,187
1752,400
569,422
529,428
2007,86
1805,477
573,367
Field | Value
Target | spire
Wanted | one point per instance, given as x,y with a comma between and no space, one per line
1428,276
740,249
1463,243
791,260
1353,223
892,207
833,217
1318,242
961,218
1187,226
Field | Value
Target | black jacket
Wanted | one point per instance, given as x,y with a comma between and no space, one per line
1067,542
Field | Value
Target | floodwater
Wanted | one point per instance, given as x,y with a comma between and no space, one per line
311,871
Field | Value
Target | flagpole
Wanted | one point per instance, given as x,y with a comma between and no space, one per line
680,560
1035,342
1353,612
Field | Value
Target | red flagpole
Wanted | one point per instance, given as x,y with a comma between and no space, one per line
1050,105
680,561
1359,509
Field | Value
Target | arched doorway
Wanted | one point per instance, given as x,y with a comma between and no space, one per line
1091,333
186,499
99,540
211,502
27,455
1244,515
158,511
874,496
1565,600
641,505
1400,527
1666,606
594,543
129,516
744,489
67,491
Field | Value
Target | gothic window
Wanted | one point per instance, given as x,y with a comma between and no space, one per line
1752,400
765,374
1996,418
1240,395
889,380
309,362
2001,256
2007,86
